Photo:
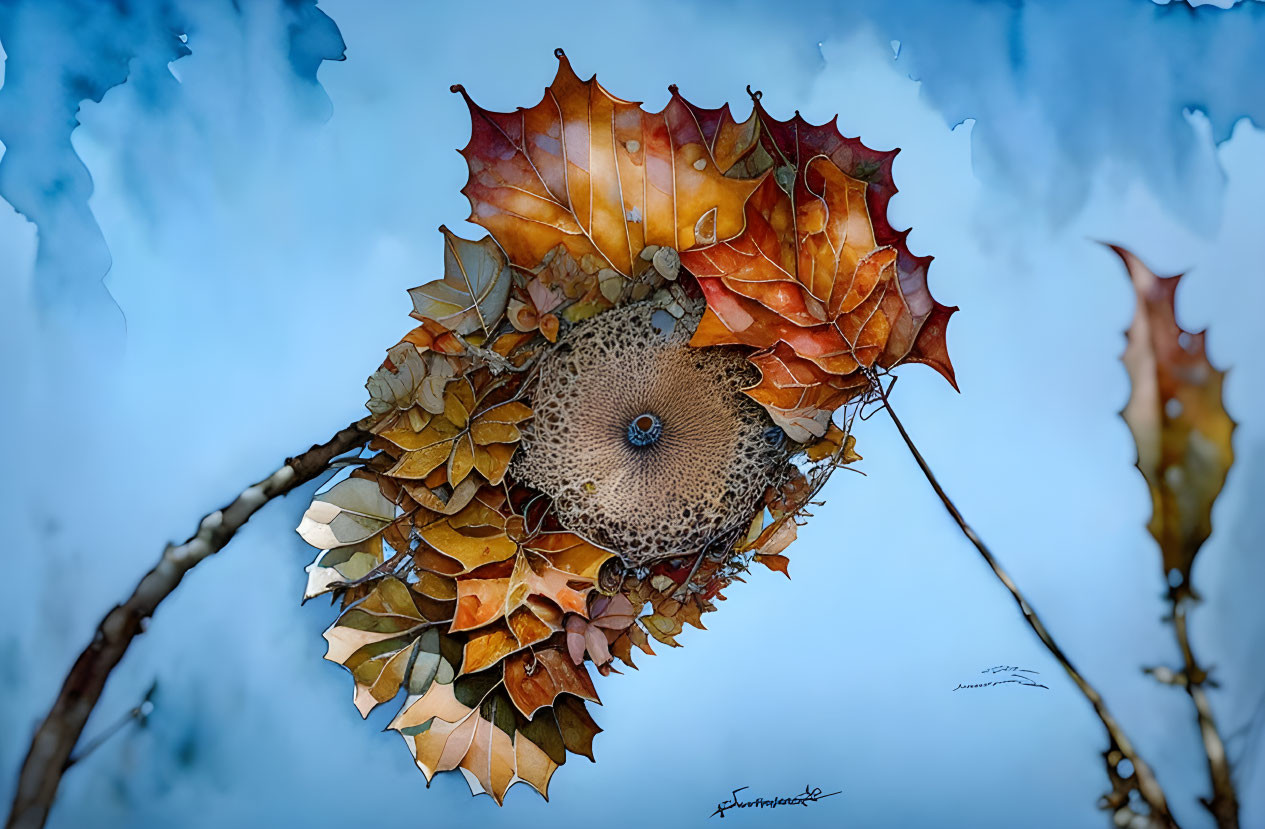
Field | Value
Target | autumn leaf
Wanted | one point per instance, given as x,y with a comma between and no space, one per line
534,679
818,280
346,522
599,176
474,290
473,537
774,561
609,617
411,376
835,444
797,394
469,434
514,606
1175,412
350,512
376,639
444,734
338,566
669,615
472,725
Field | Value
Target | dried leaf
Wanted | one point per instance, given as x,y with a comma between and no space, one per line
335,567
475,536
818,277
535,679
375,640
576,726
444,733
597,175
488,646
348,513
474,290
835,443
395,385
1182,430
774,561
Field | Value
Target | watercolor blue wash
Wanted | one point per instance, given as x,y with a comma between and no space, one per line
210,221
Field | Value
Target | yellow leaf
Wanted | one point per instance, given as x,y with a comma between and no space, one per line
487,647
492,460
459,402
418,464
485,432
462,460
471,550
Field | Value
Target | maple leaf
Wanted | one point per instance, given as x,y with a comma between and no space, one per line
514,605
375,639
445,733
534,679
474,536
474,290
818,280
598,175
1181,428
472,725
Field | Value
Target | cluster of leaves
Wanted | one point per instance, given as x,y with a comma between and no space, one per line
458,586
781,224
486,618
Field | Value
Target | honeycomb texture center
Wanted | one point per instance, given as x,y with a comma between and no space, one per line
647,446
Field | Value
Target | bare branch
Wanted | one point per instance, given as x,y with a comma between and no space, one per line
1120,748
1224,804
55,739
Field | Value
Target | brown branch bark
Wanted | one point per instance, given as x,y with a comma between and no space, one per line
1224,804
1147,785
55,739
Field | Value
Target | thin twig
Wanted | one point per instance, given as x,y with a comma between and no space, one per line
55,739
495,361
1147,785
1224,804
139,714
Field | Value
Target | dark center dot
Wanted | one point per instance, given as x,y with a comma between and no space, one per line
644,430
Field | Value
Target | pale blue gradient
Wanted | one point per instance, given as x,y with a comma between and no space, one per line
263,231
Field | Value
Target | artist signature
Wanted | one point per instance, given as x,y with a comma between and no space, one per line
1013,676
810,795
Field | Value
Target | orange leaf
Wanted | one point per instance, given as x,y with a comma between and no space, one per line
598,175
818,276
487,647
1175,412
534,680
775,562
479,601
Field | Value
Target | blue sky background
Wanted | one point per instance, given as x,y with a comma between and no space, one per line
195,282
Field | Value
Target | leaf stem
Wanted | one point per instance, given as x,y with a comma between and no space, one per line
55,739
1224,804
1147,785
